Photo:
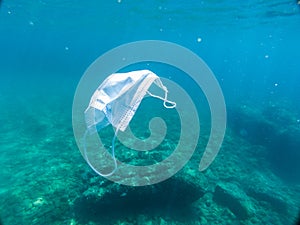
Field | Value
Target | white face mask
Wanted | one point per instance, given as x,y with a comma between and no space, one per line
116,100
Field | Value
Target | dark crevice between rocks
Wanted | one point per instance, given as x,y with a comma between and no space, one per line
298,220
171,199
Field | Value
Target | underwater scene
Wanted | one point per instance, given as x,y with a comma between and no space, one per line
224,152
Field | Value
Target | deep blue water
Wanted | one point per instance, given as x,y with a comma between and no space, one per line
251,46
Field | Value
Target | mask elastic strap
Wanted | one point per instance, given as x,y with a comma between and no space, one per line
165,99
113,155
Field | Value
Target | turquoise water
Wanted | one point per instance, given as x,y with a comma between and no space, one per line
251,46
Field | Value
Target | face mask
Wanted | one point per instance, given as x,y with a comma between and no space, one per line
115,102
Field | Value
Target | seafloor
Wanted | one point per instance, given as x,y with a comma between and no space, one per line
255,178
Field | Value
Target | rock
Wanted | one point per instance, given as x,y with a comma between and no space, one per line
232,197
273,199
277,130
284,154
252,125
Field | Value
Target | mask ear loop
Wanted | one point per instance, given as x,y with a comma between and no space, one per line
113,155
165,99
